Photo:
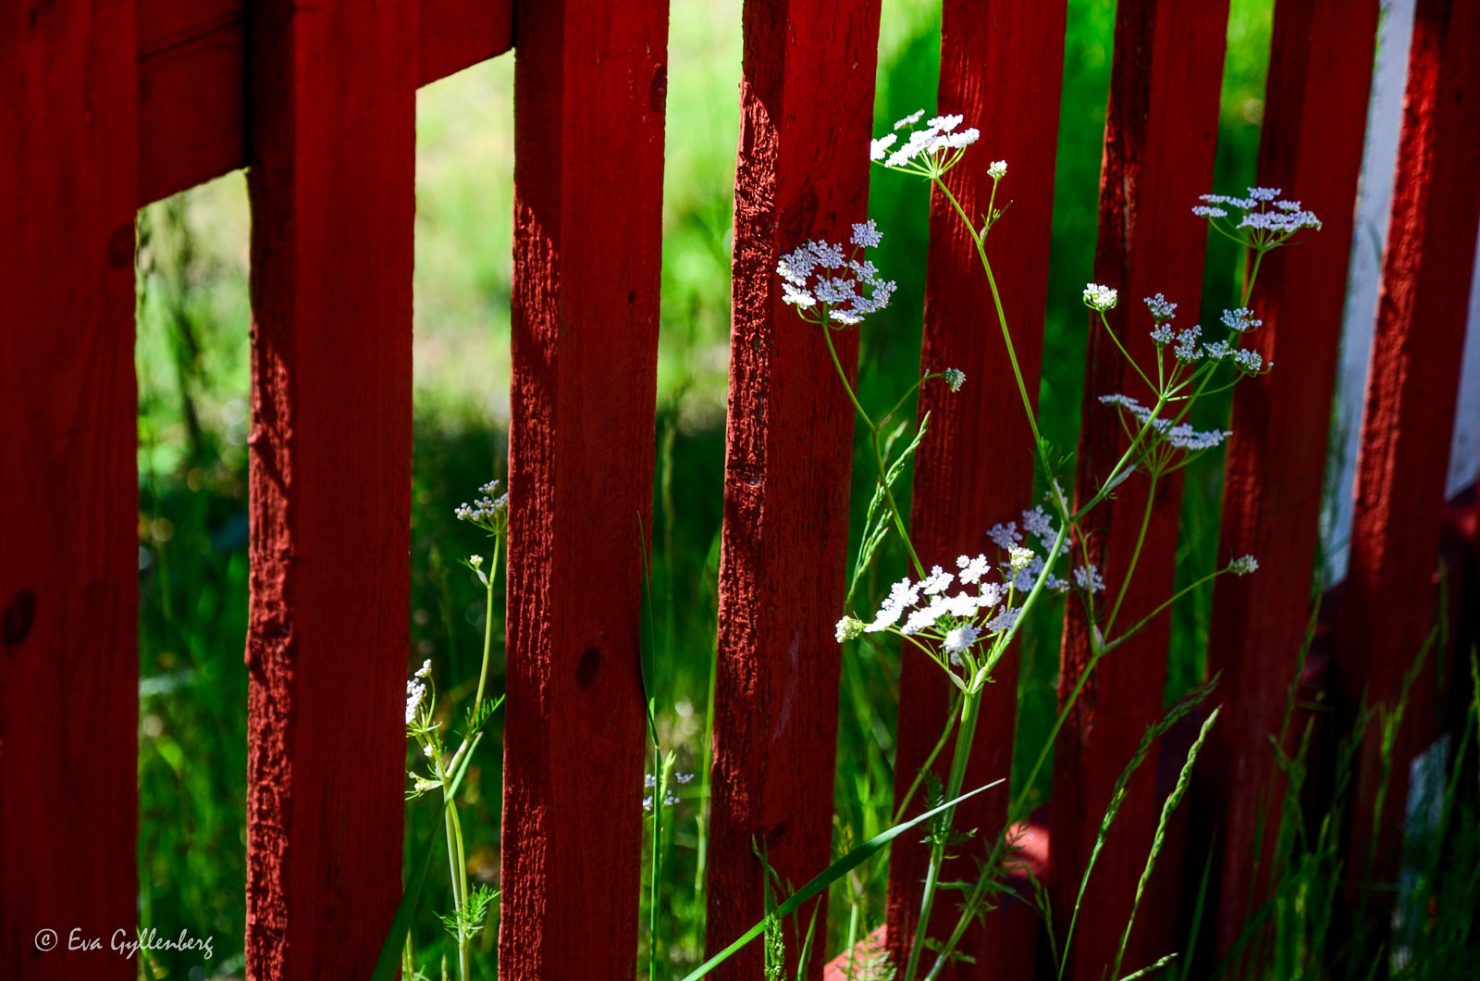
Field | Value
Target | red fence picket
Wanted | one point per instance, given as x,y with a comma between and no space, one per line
332,184
1160,131
1316,114
69,494
1001,67
590,91
1390,601
806,100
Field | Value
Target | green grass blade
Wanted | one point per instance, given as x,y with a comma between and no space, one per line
389,961
827,877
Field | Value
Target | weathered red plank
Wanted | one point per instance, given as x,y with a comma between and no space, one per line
68,498
332,185
806,99
1319,78
1161,128
590,86
1001,67
1389,605
192,79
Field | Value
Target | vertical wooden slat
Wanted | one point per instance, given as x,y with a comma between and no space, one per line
806,98
333,201
590,88
1389,604
1316,112
1001,67
68,494
1160,133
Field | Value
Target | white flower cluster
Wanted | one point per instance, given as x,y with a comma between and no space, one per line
1181,436
955,378
1100,298
1244,565
416,691
1262,215
1161,308
1088,578
1241,320
930,151
848,289
998,170
487,511
1023,564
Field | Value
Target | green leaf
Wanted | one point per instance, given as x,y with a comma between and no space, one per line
389,961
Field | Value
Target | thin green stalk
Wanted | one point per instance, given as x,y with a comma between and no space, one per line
487,625
961,756
879,464
1130,569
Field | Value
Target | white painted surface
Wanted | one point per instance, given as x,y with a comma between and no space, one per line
1374,207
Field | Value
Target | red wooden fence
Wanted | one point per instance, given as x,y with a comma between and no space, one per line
110,105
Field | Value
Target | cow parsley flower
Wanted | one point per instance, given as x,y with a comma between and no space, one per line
929,151
959,640
1100,298
1088,578
973,568
1248,361
849,628
1019,558
1189,344
1262,220
1163,335
1241,319
820,273
1161,308
955,378
998,170
1180,436
416,693
487,512
867,235
1243,565
1005,536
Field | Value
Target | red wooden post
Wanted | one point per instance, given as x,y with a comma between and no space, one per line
590,84
69,493
333,200
1001,67
806,98
192,79
1319,78
1389,605
1161,128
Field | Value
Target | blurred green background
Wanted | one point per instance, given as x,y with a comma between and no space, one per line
193,418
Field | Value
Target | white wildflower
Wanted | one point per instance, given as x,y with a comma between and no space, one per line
1100,298
849,628
955,378
998,170
1243,565
1161,308
973,568
1087,577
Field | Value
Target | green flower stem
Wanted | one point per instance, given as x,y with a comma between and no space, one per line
980,241
498,540
961,755
873,431
1130,570
945,737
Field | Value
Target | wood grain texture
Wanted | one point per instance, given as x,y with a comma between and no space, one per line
1311,147
1001,67
1161,127
192,80
590,89
806,100
69,569
1390,601
332,185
